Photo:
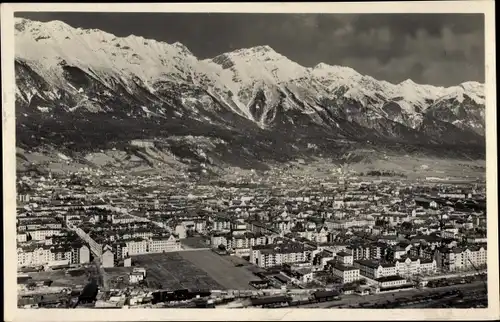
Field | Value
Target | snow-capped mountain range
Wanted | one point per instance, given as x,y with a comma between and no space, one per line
61,70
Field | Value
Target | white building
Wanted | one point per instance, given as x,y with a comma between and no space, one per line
373,269
52,255
347,274
277,254
391,281
180,230
108,259
460,259
42,234
163,244
135,277
344,258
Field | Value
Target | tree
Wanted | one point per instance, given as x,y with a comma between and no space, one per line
407,225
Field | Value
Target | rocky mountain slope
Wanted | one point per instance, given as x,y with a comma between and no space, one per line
82,90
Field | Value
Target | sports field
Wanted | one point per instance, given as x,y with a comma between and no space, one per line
201,269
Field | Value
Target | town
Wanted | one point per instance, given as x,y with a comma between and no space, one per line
339,239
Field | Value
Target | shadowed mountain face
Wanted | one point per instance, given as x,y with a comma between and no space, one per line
80,91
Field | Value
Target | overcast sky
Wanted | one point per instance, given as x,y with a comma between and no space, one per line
438,49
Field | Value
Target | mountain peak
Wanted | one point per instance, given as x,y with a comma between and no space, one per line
408,82
263,50
322,66
471,85
182,48
50,26
327,71
249,88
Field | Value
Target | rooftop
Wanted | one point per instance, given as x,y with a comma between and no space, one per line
390,278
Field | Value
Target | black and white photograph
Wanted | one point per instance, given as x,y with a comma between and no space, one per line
251,160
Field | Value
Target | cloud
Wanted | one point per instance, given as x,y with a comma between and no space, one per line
436,49
440,49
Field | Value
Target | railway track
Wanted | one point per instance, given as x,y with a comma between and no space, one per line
402,297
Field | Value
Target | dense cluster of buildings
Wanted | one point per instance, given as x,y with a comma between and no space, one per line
43,240
384,232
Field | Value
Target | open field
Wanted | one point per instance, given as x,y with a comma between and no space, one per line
234,260
411,166
194,242
221,269
172,271
59,278
194,269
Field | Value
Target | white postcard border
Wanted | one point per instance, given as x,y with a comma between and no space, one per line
9,169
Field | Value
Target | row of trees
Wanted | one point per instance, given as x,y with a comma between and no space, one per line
381,173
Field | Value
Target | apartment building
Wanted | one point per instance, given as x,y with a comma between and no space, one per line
41,234
374,269
21,237
221,224
347,274
138,246
284,225
23,198
261,228
163,244
351,222
137,233
242,241
359,251
246,241
459,259
428,266
407,266
318,235
135,246
34,256
41,222
344,258
122,219
476,239
320,258
52,255
108,258
277,254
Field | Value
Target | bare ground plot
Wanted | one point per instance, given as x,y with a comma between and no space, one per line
60,278
194,242
172,271
221,269
235,260
116,272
